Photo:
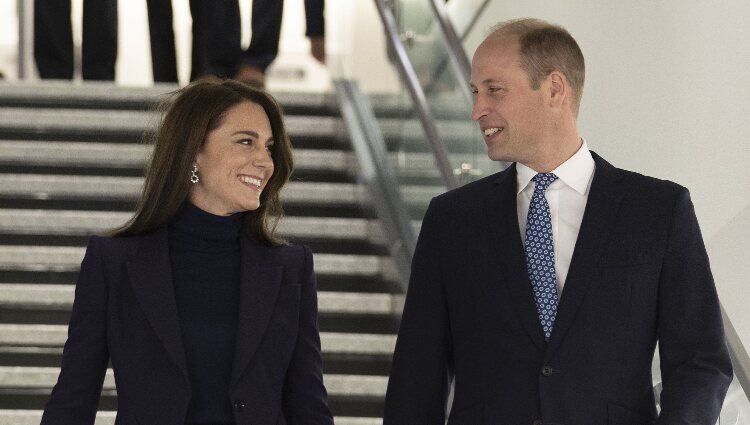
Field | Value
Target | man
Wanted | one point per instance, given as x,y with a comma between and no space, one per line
541,291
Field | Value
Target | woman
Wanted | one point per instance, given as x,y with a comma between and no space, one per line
206,316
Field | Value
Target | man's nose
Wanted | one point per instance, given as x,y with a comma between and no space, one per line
479,109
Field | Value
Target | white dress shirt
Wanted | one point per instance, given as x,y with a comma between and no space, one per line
567,198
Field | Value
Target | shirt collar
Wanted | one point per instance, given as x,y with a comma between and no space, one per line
576,172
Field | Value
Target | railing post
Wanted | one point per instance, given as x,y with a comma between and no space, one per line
25,10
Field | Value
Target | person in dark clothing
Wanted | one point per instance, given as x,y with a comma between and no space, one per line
53,39
266,29
216,48
163,54
205,314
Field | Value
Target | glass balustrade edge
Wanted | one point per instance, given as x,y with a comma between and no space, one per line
370,149
419,99
738,353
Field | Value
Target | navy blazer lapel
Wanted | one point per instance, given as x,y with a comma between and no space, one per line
259,288
150,273
605,196
502,216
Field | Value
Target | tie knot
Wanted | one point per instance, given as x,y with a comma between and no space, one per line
543,180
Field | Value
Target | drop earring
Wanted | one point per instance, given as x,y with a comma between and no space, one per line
194,175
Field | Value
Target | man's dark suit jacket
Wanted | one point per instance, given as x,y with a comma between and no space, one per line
125,310
639,274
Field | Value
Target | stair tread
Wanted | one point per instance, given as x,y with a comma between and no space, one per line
72,222
46,377
45,185
82,154
56,258
331,342
32,417
61,296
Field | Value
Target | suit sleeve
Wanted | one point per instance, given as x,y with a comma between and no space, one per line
695,365
421,371
75,397
305,399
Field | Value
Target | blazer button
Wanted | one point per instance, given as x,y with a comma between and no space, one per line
239,405
547,371
537,422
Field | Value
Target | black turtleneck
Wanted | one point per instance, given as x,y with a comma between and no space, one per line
205,254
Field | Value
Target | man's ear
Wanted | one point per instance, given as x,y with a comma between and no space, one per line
559,90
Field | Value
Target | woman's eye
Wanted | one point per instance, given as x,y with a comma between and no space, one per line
246,142
270,147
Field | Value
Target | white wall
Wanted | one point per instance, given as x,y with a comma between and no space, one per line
667,94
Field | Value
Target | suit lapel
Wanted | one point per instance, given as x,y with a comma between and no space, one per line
500,206
607,191
150,273
259,288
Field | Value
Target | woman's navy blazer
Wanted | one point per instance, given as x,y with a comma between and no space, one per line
125,311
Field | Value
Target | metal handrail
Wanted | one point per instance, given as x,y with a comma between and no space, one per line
376,171
409,75
442,16
457,54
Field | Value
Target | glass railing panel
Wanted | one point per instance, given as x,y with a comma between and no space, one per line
736,408
464,14
412,159
446,89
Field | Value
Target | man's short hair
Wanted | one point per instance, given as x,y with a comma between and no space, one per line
543,48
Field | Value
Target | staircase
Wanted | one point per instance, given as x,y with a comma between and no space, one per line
71,165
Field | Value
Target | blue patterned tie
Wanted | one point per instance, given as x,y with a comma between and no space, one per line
540,254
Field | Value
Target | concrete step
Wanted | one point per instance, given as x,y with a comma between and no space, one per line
64,186
19,335
71,121
46,377
71,222
134,155
104,95
459,134
32,417
29,388
81,155
61,259
72,228
349,353
60,297
40,186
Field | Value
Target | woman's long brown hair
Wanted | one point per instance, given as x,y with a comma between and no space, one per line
191,115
